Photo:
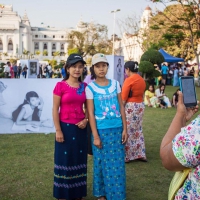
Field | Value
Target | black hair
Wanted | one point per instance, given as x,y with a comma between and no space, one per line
93,75
161,86
35,116
152,87
8,62
132,66
67,66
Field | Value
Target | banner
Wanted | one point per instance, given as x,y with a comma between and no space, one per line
116,68
33,67
26,105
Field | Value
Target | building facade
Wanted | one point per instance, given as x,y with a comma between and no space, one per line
18,36
130,45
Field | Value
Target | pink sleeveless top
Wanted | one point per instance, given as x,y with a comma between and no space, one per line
71,102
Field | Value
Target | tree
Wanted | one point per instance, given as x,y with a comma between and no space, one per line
131,34
153,56
91,40
148,59
45,53
57,53
25,52
182,26
38,53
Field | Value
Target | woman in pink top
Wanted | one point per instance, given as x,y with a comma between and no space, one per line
70,168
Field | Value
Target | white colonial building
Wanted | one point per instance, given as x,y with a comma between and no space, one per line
130,45
17,36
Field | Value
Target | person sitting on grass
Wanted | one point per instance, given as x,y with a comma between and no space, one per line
175,98
160,93
150,98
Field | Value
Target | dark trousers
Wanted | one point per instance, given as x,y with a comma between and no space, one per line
25,73
15,74
89,133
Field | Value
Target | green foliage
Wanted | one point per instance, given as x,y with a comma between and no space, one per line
53,62
57,53
37,53
90,41
60,66
25,52
146,67
2,64
12,60
73,50
45,53
153,56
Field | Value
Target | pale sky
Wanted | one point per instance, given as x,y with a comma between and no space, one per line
67,13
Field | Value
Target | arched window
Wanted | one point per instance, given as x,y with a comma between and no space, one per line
45,46
1,45
62,46
10,45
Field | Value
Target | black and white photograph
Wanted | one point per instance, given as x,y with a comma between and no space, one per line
119,69
33,69
25,106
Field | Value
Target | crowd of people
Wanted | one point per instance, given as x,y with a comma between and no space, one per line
172,71
14,70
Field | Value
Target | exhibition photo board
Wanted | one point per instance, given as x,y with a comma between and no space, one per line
26,105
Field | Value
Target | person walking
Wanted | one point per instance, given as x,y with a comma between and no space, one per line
132,96
176,77
15,70
7,70
70,157
108,123
19,70
164,70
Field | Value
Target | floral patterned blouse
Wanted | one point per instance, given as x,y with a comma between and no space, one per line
186,148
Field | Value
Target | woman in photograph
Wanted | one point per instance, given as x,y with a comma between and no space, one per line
150,98
29,112
132,97
160,93
70,157
108,123
179,150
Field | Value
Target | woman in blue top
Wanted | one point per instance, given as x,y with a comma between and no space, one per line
176,77
108,124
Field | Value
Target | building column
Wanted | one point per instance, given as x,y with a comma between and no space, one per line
49,49
5,44
41,48
57,46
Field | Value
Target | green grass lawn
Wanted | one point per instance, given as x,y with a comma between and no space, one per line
26,163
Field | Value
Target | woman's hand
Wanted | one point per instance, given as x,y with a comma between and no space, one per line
124,137
82,124
59,136
149,105
41,104
97,142
186,113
